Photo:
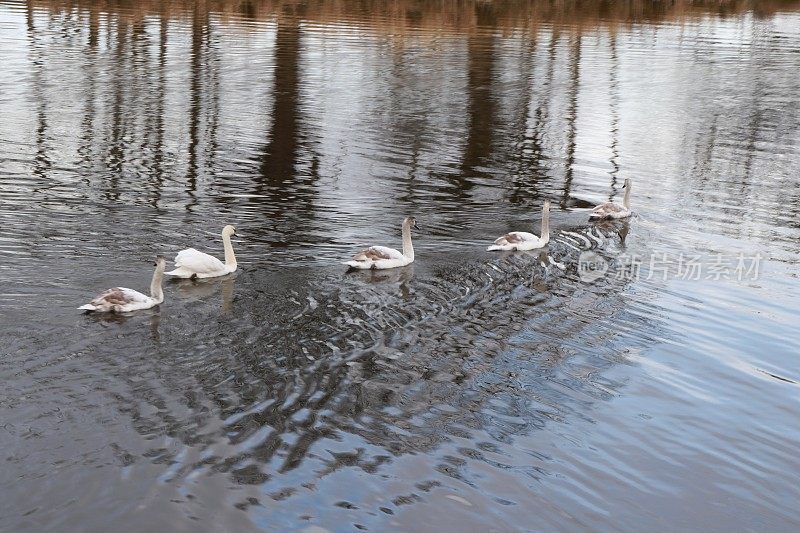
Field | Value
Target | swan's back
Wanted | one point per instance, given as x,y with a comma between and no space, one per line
515,237
118,299
377,253
198,262
609,210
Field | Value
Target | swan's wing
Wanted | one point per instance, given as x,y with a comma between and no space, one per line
134,296
376,253
515,237
120,296
607,208
198,262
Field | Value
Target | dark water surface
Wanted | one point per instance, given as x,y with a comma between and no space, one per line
472,390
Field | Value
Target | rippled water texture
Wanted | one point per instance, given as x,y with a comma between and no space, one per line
471,390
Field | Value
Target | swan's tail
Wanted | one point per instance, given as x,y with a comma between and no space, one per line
88,307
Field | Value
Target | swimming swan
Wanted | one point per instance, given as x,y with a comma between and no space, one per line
520,240
191,263
381,257
611,210
122,300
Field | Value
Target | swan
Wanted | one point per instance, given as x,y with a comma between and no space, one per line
381,257
193,264
122,300
520,240
612,210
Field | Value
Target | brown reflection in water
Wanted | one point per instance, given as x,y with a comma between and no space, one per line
42,162
400,16
286,178
614,98
116,150
527,160
94,28
158,118
199,30
280,154
481,108
530,155
572,115
86,148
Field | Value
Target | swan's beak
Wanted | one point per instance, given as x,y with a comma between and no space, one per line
415,225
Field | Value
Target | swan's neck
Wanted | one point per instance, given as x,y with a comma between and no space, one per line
155,286
408,248
230,259
546,225
626,200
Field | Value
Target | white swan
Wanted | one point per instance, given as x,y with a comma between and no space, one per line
381,257
612,210
521,240
191,263
122,300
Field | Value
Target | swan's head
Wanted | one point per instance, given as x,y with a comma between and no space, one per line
627,183
228,231
410,222
160,261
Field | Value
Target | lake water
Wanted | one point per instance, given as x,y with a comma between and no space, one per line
471,391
